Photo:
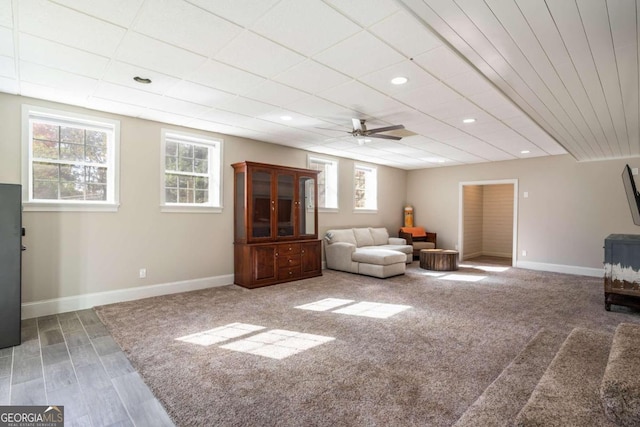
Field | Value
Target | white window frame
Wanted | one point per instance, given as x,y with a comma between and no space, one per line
331,181
112,127
215,150
371,188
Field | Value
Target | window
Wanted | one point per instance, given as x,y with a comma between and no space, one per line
70,161
327,181
191,173
365,188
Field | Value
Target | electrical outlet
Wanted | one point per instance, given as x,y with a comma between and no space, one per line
143,273
525,195
524,253
634,171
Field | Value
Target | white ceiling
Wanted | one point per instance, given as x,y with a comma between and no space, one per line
542,77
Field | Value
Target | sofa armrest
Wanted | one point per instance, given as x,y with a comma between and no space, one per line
397,241
339,255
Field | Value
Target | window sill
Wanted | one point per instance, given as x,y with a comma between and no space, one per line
365,211
328,210
69,207
189,209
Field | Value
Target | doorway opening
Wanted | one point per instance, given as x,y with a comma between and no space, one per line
488,220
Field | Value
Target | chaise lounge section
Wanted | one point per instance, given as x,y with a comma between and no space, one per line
368,251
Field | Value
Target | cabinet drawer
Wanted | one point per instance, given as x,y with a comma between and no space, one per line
289,261
289,273
288,249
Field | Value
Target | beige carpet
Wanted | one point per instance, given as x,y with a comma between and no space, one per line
423,366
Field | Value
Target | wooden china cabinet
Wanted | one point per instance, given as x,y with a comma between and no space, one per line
275,225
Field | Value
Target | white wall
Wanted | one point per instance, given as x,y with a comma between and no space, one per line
71,254
570,210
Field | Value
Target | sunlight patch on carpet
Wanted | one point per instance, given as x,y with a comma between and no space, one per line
325,304
490,268
220,334
464,277
432,273
372,309
277,343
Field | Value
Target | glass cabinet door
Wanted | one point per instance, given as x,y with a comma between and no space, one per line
262,204
240,207
306,206
286,205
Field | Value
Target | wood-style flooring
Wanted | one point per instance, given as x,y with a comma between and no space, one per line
71,360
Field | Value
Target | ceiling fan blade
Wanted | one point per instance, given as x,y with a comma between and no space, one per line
357,124
395,138
385,129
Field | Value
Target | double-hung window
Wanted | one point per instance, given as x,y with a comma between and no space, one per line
365,182
191,173
70,161
327,182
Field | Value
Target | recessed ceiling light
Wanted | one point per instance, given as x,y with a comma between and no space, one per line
286,117
525,152
469,120
399,80
367,140
143,80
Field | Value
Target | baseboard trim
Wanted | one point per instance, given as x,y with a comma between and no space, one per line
498,254
81,302
472,255
560,268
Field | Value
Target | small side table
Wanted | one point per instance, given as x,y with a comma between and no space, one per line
439,259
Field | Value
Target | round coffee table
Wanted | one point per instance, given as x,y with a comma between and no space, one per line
439,259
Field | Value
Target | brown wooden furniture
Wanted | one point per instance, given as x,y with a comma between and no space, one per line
622,270
275,225
439,259
419,238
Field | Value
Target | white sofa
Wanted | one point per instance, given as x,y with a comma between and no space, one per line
368,251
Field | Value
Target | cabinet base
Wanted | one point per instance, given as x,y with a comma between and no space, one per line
621,299
261,285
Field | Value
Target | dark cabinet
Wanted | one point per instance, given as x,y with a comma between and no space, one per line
622,270
10,261
276,224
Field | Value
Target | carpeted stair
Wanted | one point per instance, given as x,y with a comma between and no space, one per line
620,390
592,380
501,401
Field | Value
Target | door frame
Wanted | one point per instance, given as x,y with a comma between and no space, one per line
514,233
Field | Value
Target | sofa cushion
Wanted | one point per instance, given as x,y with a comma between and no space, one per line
405,249
378,256
423,245
380,236
363,237
345,235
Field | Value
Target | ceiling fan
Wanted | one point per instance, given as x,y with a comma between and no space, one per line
360,130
